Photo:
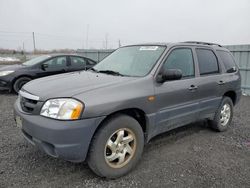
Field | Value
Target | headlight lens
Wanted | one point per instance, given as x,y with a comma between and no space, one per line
4,73
64,109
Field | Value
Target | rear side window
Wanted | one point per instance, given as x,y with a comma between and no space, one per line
207,60
77,61
227,60
181,59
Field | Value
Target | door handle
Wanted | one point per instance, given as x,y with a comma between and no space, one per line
193,87
221,82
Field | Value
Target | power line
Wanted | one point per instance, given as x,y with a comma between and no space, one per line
11,32
57,36
6,40
53,37
29,37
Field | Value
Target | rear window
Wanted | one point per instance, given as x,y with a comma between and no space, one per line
227,60
207,60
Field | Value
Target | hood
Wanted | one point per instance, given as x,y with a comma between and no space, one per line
70,84
11,67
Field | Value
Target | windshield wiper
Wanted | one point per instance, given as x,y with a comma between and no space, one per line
93,69
106,72
111,72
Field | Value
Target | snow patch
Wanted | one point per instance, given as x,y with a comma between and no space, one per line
9,59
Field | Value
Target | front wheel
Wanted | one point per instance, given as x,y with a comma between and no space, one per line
116,147
223,116
18,84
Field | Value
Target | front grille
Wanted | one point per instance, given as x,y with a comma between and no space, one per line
27,105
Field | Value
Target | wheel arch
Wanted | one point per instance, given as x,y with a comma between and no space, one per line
136,113
20,76
232,95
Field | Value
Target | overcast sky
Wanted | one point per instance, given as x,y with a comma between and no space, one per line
81,23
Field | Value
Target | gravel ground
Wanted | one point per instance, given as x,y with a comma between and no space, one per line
191,156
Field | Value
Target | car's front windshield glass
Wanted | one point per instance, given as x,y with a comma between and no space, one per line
131,60
35,60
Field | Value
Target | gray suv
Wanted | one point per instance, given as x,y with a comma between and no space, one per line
105,115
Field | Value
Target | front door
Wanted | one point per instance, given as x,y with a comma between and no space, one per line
55,65
177,101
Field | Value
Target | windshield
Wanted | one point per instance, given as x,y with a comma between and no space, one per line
131,61
36,60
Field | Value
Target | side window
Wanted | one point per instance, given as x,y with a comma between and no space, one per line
227,60
57,62
77,61
182,59
207,61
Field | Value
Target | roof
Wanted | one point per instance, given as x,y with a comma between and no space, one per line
63,54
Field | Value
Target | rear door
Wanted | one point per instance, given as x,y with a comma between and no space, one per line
231,76
177,101
77,63
210,80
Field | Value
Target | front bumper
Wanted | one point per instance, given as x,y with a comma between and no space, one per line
68,140
5,84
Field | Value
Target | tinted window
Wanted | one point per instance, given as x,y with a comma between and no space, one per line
207,61
57,62
227,60
181,59
77,61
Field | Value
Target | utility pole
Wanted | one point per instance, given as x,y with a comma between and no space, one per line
119,43
103,44
87,36
106,41
34,42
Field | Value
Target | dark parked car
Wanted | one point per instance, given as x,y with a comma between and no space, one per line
13,77
106,114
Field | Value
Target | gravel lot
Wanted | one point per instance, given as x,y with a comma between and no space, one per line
191,156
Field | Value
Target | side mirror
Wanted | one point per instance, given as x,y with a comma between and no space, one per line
169,74
44,66
231,70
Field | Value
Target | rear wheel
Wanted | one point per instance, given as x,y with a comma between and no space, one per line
18,84
116,147
223,116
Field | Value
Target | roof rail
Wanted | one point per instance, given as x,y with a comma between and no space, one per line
205,43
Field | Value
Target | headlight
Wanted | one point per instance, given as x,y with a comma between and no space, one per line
64,109
4,73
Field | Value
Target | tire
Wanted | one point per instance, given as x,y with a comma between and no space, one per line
18,84
218,123
103,160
